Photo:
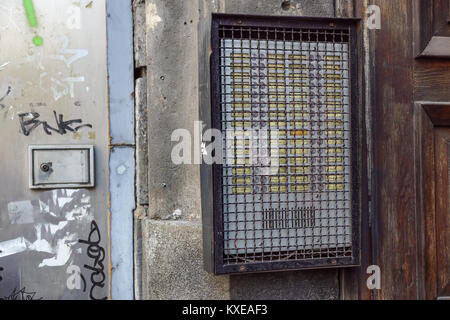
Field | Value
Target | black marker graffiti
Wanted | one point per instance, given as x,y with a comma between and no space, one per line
21,294
29,121
1,269
84,282
8,92
97,253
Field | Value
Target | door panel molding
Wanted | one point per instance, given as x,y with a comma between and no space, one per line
442,155
427,117
432,34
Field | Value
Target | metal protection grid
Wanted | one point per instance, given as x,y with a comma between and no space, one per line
285,114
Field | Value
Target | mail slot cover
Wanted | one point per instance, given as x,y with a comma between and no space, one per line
61,166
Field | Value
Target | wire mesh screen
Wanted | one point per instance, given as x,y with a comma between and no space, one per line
285,106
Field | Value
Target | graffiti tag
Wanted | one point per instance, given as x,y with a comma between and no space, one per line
97,253
21,294
29,122
1,269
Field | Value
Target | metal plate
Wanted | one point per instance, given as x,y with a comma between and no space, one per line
61,167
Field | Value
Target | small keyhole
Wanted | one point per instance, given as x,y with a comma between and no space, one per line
45,167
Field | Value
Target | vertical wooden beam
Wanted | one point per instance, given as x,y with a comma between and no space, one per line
394,162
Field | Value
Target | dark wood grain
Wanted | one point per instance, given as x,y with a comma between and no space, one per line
432,79
440,18
448,12
394,152
424,13
425,213
448,16
412,250
439,114
344,8
442,154
432,83
427,228
433,29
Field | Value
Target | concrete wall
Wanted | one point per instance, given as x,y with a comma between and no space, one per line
177,71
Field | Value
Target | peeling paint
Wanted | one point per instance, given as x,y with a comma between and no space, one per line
7,15
73,54
21,212
177,214
121,169
13,246
57,216
3,66
153,19
63,252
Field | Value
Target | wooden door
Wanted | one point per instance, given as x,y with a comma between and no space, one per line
407,106
410,100
432,92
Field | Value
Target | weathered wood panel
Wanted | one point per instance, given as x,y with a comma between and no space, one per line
394,151
425,212
432,80
442,154
433,31
344,8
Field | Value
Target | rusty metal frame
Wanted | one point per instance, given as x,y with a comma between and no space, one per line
215,230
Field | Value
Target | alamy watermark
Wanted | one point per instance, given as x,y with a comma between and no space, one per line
374,280
374,17
251,147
